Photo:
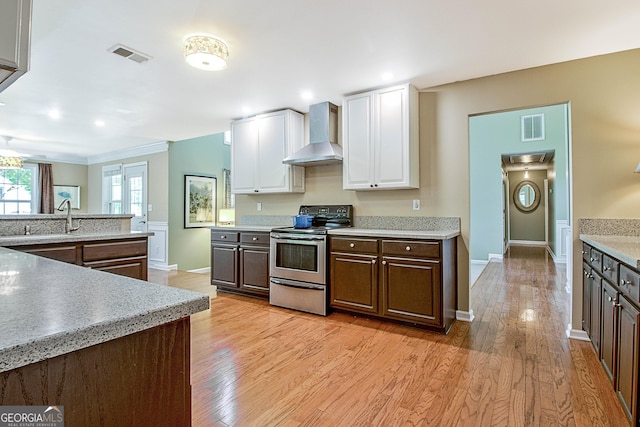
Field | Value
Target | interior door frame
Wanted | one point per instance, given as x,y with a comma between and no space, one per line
126,195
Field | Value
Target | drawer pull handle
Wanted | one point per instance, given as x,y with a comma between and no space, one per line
384,262
408,248
584,252
352,245
223,237
373,261
592,259
255,239
607,268
625,282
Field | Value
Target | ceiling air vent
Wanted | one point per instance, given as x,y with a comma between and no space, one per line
127,52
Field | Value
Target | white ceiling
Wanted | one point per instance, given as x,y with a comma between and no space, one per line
278,48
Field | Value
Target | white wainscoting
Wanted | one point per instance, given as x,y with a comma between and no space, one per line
159,246
563,230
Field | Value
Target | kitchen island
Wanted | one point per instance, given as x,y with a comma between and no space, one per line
112,350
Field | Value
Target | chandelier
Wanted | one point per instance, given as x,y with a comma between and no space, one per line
206,52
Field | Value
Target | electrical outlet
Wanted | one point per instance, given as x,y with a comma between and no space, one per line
258,206
416,204
149,207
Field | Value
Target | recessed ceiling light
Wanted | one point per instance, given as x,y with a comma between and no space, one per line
246,110
386,76
54,114
99,123
2,104
306,95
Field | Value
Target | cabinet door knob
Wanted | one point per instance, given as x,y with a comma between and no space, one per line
255,191
352,245
408,248
255,239
373,261
609,298
606,268
624,282
223,237
384,262
592,259
584,252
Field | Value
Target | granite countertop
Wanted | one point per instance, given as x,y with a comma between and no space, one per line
39,239
624,248
405,234
49,308
352,231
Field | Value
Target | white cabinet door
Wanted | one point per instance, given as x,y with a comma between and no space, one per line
392,138
358,156
380,139
272,173
244,156
15,30
258,146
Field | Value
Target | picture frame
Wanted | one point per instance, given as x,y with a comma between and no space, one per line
199,201
71,192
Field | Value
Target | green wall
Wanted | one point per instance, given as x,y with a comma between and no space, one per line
490,136
189,248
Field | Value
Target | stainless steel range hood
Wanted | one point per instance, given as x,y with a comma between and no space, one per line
323,136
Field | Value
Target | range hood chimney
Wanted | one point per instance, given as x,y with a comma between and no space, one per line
323,136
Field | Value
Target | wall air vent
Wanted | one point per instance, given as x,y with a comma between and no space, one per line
532,127
127,52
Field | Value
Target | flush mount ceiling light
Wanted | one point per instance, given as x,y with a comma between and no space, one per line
206,52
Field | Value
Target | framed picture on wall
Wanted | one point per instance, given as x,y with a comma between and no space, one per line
199,201
71,192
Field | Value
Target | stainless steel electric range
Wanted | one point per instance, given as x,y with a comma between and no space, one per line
298,266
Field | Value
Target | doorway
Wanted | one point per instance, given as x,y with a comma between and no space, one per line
493,135
134,194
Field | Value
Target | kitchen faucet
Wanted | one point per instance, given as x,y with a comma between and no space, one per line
68,226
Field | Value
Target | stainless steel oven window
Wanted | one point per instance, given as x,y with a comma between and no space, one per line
297,256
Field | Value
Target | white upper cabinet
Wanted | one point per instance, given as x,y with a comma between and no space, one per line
258,146
15,30
380,139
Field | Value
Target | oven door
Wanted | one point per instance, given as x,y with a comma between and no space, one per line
298,257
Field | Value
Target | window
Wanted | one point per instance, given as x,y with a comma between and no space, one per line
112,189
532,127
19,190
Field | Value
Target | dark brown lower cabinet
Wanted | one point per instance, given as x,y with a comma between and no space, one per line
409,281
125,257
627,377
141,379
354,282
609,319
240,262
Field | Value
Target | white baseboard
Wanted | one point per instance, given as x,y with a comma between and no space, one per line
464,316
495,256
577,334
163,267
528,242
479,262
206,270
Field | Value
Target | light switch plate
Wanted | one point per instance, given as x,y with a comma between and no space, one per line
258,206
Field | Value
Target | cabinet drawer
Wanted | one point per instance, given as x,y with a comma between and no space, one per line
255,238
112,250
610,268
630,282
224,236
354,245
595,259
586,252
409,248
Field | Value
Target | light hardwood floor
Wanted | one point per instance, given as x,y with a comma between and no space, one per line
257,365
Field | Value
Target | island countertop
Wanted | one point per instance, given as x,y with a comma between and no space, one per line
49,308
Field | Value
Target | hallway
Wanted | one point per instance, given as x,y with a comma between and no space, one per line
254,364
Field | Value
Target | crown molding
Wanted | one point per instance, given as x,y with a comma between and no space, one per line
144,150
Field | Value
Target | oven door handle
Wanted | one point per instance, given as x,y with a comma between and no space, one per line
299,285
281,238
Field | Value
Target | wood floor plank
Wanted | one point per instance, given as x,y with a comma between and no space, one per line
258,365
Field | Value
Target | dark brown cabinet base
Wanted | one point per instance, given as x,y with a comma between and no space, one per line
142,379
407,281
240,262
125,257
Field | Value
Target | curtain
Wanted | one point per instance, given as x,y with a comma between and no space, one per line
45,182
